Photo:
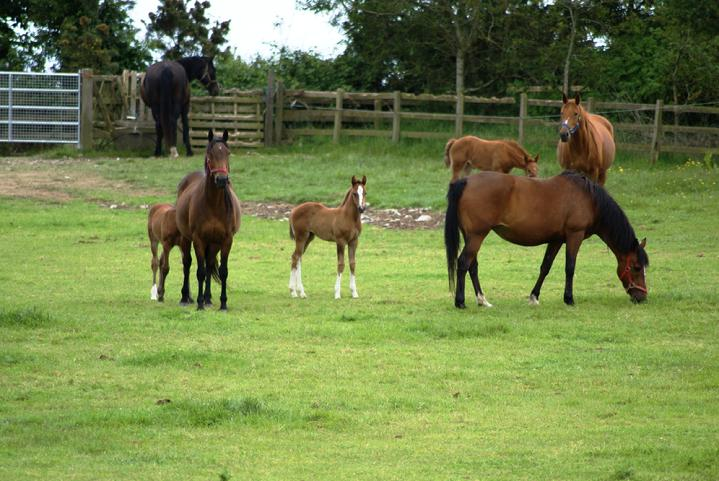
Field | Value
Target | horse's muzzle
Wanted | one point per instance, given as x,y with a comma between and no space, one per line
564,136
221,181
361,209
638,297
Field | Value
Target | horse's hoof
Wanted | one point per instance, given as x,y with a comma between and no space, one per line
293,294
186,303
482,301
355,296
460,305
303,295
223,307
569,301
533,300
200,307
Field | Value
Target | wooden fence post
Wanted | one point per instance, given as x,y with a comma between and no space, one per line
377,108
459,115
269,108
657,133
590,104
522,117
279,112
339,99
86,109
395,116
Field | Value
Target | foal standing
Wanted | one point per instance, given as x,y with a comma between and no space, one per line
342,225
161,229
495,155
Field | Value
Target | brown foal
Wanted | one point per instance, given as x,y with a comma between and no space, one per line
496,155
161,229
342,225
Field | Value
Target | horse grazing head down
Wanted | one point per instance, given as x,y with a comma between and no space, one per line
631,269
570,117
359,193
217,159
532,165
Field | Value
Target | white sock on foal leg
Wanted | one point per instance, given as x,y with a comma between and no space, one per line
353,286
153,292
293,282
298,280
338,284
482,301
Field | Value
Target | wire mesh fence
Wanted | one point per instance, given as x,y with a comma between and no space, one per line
39,107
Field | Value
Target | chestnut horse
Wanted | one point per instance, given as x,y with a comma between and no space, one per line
342,225
564,209
586,141
161,229
208,216
497,155
166,91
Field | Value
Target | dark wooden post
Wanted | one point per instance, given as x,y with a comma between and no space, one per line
395,116
269,108
86,109
339,99
657,133
279,112
522,117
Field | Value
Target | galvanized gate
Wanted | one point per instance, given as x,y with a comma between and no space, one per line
40,107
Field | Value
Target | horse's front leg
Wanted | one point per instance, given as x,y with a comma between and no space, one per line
186,131
185,246
164,270
340,268
352,248
549,255
224,255
201,271
573,241
154,265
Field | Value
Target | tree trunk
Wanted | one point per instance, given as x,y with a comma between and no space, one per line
567,61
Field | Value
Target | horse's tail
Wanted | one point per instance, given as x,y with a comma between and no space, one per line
451,228
215,272
447,159
292,231
168,130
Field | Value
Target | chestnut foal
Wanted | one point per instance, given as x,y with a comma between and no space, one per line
495,155
342,225
161,229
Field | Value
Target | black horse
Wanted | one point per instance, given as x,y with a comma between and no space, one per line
166,90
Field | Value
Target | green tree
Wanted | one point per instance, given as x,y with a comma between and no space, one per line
177,32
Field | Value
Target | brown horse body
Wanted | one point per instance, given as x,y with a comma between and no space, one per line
565,209
493,155
161,229
208,216
342,225
586,141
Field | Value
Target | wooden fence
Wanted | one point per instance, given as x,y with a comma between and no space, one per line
118,112
275,115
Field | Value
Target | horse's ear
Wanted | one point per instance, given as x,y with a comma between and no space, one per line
225,136
576,98
536,158
210,135
364,180
643,243
354,180
564,98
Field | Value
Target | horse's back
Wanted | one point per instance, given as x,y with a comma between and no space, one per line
151,86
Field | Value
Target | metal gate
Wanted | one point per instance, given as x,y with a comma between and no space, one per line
40,107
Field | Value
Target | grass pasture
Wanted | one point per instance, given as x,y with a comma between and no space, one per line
98,382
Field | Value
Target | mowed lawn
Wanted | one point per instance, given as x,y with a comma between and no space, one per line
98,382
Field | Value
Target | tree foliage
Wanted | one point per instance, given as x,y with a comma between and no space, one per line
177,31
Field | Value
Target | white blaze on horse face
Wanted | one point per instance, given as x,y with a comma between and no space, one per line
360,194
353,286
338,285
153,292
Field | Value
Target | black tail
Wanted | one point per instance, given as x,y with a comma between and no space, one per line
168,129
451,228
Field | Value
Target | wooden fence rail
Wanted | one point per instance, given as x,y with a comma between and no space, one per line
276,115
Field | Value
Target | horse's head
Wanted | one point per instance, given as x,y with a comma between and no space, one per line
532,165
359,193
631,270
217,159
209,77
570,117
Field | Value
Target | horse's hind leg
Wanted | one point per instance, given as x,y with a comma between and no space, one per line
158,132
164,270
479,294
154,264
210,262
466,260
352,248
302,239
340,268
201,271
549,255
186,131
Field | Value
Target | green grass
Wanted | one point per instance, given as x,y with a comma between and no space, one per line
395,385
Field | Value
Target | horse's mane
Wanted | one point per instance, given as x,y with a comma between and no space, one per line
611,218
517,149
346,197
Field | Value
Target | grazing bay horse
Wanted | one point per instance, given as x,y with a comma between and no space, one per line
342,225
564,209
496,155
208,216
161,229
586,141
166,91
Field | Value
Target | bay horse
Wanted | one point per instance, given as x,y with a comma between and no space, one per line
166,91
208,217
161,229
342,225
564,209
496,155
586,141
